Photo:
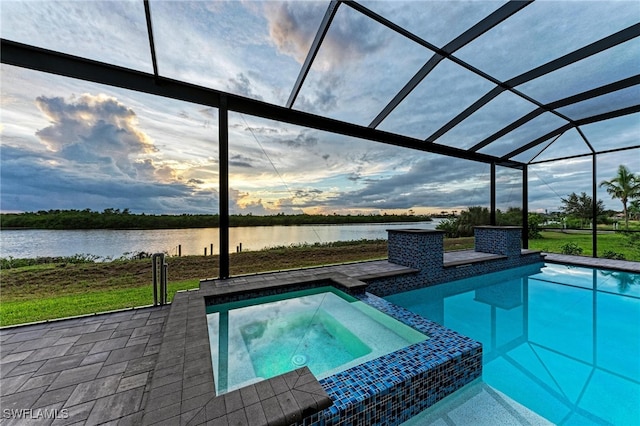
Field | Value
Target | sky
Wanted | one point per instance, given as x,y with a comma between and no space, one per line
69,144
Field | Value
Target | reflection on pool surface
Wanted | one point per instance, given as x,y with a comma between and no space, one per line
323,329
313,338
563,341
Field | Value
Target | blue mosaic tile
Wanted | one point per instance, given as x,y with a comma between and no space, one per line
498,240
423,250
395,387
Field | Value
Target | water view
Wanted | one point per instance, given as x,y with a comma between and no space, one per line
115,243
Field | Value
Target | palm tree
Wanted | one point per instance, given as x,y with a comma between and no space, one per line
624,186
625,280
471,217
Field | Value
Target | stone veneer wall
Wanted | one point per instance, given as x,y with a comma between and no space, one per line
423,250
503,240
415,248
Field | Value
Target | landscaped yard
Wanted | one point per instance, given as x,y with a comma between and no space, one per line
619,243
58,290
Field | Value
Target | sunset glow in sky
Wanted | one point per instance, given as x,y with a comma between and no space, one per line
69,144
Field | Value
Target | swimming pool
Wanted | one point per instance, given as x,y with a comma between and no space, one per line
323,328
563,341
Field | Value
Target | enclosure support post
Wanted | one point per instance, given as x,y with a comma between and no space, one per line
159,276
223,147
525,207
493,195
594,208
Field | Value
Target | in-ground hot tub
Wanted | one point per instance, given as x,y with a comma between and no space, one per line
387,389
323,328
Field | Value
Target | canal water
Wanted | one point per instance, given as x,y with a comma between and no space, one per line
112,244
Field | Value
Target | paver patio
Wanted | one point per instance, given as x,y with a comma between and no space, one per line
89,370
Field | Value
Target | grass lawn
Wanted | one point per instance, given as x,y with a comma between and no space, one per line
553,242
49,291
42,308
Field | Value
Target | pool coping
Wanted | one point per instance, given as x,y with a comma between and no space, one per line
182,389
594,262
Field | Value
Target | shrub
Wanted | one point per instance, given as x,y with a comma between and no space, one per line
610,254
11,262
450,227
462,226
534,220
573,223
571,248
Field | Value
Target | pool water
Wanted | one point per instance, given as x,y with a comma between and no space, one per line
323,329
563,341
304,337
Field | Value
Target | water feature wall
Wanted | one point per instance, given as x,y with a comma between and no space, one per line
502,240
496,248
416,248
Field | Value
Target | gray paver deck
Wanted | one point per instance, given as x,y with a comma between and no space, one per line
80,370
622,265
99,369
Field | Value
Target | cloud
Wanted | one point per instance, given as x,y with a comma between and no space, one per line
320,94
256,129
241,202
292,28
242,86
98,130
238,160
112,32
209,113
93,154
430,181
352,36
32,182
437,182
302,140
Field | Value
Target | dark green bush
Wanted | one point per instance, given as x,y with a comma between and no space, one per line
449,226
571,248
534,220
610,254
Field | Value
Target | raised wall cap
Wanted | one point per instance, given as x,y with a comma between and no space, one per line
416,231
496,227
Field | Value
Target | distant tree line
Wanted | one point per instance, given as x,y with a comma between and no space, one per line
124,219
